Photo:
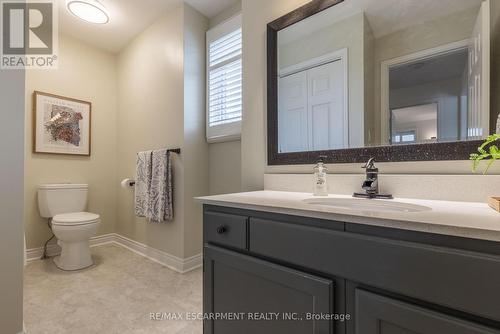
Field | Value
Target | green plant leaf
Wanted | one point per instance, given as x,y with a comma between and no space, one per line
487,151
490,162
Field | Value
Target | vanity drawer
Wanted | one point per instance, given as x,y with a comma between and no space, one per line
225,229
411,269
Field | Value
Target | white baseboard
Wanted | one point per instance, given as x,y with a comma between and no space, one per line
173,262
53,249
170,261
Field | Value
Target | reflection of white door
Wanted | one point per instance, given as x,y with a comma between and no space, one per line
479,75
326,107
292,114
311,109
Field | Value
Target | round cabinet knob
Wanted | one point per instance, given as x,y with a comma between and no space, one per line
221,229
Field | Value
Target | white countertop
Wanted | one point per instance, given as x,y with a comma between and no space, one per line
464,219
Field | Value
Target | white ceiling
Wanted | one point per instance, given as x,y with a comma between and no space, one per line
127,19
211,8
384,16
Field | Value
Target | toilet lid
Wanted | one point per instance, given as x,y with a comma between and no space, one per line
75,218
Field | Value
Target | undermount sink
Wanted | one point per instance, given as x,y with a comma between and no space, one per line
372,205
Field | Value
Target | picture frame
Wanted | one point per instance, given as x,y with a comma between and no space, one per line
61,125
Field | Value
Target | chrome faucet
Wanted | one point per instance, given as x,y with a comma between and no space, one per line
370,184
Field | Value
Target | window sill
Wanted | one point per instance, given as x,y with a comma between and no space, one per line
221,139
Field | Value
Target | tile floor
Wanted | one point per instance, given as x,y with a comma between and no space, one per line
115,296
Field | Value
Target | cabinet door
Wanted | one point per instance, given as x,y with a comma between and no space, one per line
376,314
261,297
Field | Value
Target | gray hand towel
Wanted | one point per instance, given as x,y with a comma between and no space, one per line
160,207
142,183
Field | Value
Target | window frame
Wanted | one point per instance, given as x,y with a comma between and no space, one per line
227,131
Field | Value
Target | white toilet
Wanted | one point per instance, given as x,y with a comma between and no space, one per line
65,204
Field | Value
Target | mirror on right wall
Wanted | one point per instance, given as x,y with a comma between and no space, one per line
397,80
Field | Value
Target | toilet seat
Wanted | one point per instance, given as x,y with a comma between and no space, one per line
75,218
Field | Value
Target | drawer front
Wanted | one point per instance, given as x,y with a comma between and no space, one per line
225,229
415,270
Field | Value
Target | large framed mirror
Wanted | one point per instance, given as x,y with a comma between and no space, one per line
389,79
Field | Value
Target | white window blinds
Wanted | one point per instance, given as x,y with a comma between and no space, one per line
224,84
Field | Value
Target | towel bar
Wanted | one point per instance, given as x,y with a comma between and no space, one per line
174,150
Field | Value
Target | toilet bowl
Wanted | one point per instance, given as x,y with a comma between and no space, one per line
64,204
73,232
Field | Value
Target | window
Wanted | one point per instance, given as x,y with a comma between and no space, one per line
416,123
404,137
224,84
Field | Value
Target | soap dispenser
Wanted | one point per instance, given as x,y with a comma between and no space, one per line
320,184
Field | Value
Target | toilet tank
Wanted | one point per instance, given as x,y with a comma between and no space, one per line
57,198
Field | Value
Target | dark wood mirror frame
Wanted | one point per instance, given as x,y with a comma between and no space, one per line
459,150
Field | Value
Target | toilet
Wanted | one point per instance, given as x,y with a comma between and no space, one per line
65,204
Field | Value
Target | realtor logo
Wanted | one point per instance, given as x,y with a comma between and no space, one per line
29,35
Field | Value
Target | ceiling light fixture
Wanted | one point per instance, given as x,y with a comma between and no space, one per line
88,10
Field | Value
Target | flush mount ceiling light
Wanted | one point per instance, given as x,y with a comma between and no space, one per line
88,10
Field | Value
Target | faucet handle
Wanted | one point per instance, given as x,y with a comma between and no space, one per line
370,164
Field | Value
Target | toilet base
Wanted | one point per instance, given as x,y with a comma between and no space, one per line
74,256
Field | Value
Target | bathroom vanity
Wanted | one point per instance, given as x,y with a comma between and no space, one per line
290,264
388,81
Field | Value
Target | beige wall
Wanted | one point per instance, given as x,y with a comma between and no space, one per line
88,74
150,76
224,163
256,14
155,72
225,167
195,154
12,85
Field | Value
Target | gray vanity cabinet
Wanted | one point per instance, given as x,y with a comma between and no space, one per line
376,314
257,296
385,281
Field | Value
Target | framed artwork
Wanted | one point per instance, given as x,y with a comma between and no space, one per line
61,125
